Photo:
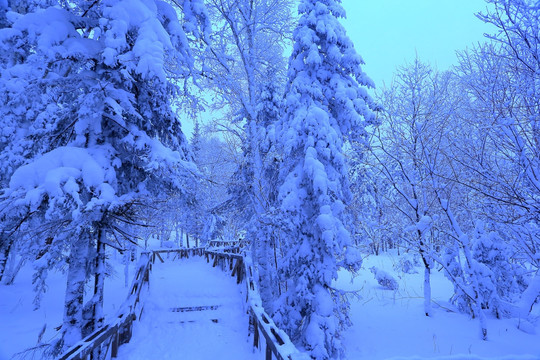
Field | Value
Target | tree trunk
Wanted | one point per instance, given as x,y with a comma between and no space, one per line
427,291
269,284
12,267
73,303
99,284
427,274
99,280
187,240
127,260
182,236
14,270
5,248
177,238
529,296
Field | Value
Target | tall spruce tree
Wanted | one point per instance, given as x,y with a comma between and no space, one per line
326,105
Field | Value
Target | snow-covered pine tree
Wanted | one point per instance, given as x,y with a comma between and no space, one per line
196,139
326,104
3,14
101,137
19,97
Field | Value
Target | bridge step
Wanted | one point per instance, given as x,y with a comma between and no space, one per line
215,321
195,308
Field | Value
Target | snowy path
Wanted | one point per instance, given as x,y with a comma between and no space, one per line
165,332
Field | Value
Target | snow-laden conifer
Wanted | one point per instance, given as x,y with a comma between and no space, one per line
326,104
97,132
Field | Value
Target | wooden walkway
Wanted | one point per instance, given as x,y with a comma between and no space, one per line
192,311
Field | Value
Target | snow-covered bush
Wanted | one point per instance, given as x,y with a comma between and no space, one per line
407,264
501,281
488,278
384,279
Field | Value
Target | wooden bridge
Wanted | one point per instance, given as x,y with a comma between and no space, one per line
265,334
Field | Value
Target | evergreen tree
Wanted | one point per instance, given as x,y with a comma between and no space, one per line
100,137
196,140
3,11
326,104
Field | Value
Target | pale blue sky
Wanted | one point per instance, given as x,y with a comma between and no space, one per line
386,33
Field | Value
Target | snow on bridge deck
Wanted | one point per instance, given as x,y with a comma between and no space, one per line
173,326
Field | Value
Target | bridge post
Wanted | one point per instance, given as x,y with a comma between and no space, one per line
114,345
253,321
239,272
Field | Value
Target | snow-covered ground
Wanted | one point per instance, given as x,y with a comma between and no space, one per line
391,324
20,324
386,324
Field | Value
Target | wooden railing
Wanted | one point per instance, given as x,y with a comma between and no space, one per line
118,332
111,336
177,253
278,344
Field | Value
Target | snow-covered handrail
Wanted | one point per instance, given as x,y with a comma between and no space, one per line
277,341
118,332
182,253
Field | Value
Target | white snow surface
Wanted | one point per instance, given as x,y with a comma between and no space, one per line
391,325
386,324
164,334
20,324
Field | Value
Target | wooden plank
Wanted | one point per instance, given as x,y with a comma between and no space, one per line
195,308
94,341
268,352
270,344
114,345
276,335
215,321
69,354
255,331
224,254
159,256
